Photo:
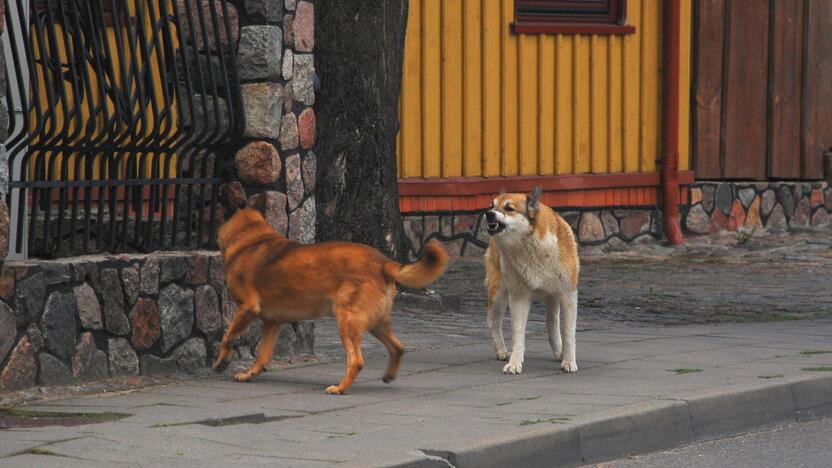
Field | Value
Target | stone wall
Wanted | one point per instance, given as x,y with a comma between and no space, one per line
276,167
92,317
770,206
715,206
592,227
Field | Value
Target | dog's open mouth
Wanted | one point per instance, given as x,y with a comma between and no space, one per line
495,227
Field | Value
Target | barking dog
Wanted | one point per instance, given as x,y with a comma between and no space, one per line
532,254
280,281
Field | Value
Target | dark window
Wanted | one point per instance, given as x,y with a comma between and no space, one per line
572,16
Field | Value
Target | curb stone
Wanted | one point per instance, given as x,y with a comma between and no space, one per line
646,427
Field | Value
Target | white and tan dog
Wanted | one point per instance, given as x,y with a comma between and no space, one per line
532,255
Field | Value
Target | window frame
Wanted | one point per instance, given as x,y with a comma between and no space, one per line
614,23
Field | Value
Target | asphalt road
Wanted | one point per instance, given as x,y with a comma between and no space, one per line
804,445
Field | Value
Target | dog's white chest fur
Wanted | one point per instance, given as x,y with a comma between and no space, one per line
534,263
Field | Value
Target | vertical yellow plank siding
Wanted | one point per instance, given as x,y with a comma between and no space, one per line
410,110
546,110
479,100
508,92
528,104
452,69
564,162
431,91
491,86
631,98
650,81
472,110
581,104
600,104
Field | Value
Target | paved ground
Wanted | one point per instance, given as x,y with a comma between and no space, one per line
804,445
711,280
455,402
643,385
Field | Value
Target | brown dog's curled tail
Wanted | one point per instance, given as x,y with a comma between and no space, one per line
422,273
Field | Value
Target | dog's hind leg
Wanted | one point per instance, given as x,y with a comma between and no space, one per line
384,332
351,331
244,315
569,319
265,349
496,310
553,326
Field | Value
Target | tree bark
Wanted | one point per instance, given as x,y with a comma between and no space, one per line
359,49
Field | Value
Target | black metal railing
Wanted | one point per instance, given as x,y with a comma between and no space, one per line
126,112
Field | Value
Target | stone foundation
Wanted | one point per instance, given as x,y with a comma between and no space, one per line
592,227
92,317
746,207
749,207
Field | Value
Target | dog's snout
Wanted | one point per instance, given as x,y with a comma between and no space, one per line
490,216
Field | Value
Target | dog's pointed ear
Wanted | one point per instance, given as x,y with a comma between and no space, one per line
232,197
533,202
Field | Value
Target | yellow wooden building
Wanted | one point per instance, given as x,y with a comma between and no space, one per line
573,105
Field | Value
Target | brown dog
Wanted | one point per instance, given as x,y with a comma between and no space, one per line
281,281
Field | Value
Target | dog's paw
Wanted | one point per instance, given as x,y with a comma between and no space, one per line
243,376
569,366
503,355
513,368
388,378
334,390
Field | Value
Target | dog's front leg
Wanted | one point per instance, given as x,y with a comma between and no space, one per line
242,318
568,322
496,310
519,303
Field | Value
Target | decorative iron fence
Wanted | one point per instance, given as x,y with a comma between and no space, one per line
122,114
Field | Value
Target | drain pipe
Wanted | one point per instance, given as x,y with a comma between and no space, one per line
670,122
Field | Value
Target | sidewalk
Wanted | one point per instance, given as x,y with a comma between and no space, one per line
639,388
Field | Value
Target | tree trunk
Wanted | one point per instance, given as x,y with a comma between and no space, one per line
359,52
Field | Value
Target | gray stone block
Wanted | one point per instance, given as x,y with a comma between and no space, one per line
176,307
89,362
150,276
303,76
172,268
296,338
259,54
89,309
121,357
30,294
131,281
270,11
263,106
113,297
302,222
724,197
208,317
8,330
191,355
51,371
59,324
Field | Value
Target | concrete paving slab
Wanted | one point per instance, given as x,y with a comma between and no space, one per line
454,405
